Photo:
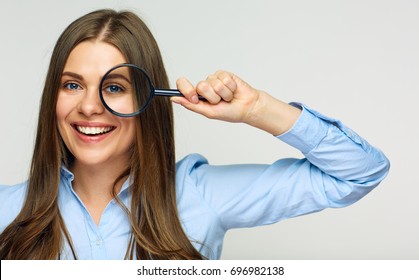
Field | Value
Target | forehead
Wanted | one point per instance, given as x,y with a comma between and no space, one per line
93,57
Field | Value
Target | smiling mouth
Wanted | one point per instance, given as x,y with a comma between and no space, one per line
93,130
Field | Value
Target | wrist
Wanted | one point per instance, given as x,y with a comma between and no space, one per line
272,115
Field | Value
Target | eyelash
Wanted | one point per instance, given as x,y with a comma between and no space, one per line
119,89
68,84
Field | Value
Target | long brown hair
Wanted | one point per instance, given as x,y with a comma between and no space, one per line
39,231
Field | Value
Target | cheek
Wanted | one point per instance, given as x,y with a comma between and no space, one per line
130,129
62,110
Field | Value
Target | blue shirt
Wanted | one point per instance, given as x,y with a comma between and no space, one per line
338,169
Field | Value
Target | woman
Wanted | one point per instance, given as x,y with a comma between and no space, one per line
105,187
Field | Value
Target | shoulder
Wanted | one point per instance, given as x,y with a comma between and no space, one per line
188,177
189,163
187,171
11,201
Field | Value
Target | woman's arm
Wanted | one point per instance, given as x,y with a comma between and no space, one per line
339,167
231,99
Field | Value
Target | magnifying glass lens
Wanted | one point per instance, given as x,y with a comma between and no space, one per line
126,90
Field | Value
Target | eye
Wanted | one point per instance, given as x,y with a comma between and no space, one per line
72,86
113,89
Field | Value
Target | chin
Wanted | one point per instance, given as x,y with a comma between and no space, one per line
102,157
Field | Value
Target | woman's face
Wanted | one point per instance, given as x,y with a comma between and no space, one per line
91,133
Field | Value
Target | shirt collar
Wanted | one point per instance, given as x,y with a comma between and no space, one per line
69,176
66,173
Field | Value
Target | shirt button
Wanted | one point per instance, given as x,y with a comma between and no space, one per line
98,242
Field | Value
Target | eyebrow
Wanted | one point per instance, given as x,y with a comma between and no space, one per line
116,75
73,75
109,76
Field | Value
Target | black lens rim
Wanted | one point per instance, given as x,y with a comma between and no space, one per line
140,110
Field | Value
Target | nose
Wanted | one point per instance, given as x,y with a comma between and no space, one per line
90,103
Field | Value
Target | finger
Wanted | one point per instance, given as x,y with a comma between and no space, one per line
205,89
220,88
179,100
187,89
204,108
227,79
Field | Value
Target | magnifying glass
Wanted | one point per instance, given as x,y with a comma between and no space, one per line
126,90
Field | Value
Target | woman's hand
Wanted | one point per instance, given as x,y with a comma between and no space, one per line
228,97
231,99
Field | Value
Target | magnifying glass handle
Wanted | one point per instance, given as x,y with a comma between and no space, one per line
172,92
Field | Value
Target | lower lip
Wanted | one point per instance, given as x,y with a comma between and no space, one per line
91,139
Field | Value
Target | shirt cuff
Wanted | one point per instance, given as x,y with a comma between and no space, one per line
307,132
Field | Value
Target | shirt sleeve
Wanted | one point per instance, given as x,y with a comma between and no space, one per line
11,202
338,169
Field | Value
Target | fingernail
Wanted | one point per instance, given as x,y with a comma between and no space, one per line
194,99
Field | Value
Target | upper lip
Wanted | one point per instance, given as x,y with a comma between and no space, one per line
87,125
92,124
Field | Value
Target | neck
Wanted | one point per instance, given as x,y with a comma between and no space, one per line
94,185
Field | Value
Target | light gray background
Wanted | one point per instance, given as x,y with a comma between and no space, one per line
354,60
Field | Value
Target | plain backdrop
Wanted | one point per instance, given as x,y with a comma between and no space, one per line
354,60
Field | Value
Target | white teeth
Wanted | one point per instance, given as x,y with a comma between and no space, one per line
93,130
